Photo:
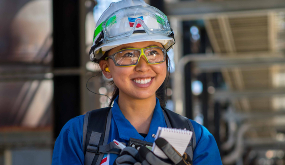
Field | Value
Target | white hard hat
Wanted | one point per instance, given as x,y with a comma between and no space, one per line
130,21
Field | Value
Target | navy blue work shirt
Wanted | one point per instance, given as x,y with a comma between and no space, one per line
68,146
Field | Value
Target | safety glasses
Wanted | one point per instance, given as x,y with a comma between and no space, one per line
131,56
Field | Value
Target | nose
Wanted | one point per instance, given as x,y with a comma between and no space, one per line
142,64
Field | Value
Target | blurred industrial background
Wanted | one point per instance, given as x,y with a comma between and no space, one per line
227,73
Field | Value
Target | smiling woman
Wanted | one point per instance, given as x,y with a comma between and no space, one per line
130,44
137,84
141,79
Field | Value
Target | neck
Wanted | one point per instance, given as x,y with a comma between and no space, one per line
138,111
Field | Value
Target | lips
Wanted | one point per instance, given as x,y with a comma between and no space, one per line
142,80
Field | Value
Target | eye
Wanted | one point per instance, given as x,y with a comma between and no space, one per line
129,54
153,53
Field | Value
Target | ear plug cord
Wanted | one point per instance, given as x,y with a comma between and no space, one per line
95,92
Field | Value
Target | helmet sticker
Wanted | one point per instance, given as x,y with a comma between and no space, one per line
133,20
97,31
111,21
159,19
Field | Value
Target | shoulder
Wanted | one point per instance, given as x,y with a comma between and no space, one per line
74,125
200,131
203,136
68,145
72,130
206,151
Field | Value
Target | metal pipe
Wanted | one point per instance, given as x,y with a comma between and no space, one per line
237,152
231,140
216,63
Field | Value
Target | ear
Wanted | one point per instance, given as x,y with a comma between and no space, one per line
103,65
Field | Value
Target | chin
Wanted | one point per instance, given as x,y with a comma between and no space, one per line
141,95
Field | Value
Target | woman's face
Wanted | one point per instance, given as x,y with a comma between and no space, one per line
140,81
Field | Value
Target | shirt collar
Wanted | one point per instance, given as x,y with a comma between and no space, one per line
127,131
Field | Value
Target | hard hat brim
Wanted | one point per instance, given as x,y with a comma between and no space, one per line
135,38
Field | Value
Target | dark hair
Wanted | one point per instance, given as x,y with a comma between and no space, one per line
160,93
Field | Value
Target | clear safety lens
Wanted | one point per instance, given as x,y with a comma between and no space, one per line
131,20
127,57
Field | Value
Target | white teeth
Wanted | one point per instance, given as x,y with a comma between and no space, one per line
142,81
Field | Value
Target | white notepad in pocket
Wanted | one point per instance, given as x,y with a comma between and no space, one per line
178,138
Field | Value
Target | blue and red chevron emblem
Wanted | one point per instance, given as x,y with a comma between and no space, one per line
133,20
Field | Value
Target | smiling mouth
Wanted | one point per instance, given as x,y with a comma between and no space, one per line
142,81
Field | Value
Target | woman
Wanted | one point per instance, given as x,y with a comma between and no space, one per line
130,44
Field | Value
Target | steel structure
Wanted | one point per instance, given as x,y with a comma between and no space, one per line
247,41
